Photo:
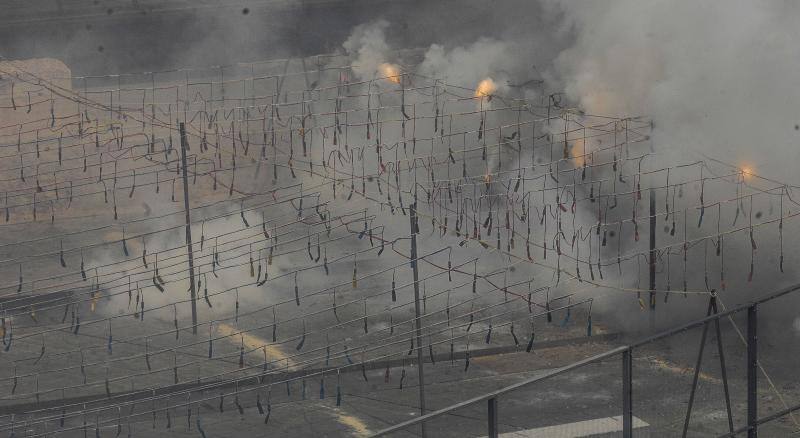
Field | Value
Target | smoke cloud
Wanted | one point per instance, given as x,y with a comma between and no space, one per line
367,44
715,79
467,65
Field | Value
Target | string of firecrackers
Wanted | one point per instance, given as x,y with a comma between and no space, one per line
158,352
484,244
597,284
123,276
77,98
577,303
270,192
492,248
122,241
487,244
123,225
731,200
639,290
235,394
70,188
126,275
170,126
360,177
614,194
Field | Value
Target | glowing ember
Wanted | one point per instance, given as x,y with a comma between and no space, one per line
390,72
485,88
747,172
577,151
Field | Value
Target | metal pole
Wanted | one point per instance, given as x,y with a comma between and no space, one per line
697,370
722,367
652,260
752,371
627,394
192,286
492,418
417,312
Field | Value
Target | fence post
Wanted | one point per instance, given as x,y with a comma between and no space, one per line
492,418
752,371
627,394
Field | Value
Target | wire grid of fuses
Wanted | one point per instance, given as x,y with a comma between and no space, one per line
300,177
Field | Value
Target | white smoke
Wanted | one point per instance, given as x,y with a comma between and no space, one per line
464,65
367,43
468,65
716,78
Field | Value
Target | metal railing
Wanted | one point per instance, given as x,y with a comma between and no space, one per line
753,421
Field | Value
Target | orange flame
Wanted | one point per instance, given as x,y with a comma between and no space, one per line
391,72
485,88
747,172
576,152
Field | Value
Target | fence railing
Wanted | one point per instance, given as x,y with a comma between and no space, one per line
753,421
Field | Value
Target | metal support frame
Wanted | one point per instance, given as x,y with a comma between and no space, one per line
192,286
712,309
627,393
492,418
766,419
723,369
626,351
696,374
752,371
417,312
